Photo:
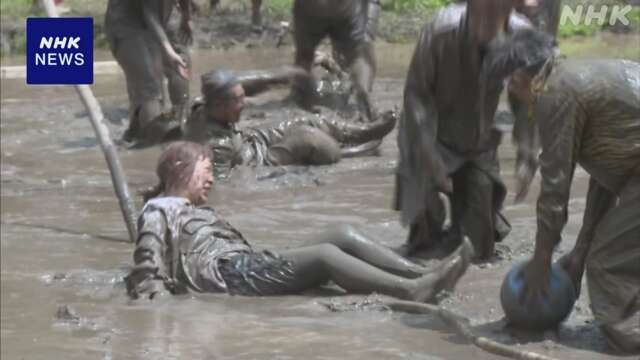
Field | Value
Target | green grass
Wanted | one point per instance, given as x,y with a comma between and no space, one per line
16,8
279,9
413,5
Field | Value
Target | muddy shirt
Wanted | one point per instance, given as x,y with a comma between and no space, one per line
441,122
192,240
250,146
588,113
231,147
126,16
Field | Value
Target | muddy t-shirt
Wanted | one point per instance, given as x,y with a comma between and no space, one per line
125,17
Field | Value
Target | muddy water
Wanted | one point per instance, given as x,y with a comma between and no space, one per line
62,245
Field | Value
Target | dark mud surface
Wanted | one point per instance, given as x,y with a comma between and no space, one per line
63,254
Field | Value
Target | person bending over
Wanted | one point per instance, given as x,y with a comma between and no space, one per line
587,113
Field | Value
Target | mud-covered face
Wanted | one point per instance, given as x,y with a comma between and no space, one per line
488,18
229,109
201,181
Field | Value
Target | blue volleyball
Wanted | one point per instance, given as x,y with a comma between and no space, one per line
538,315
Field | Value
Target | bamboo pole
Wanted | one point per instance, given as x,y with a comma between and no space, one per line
96,116
461,326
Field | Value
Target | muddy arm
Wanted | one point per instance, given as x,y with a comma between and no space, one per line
147,275
421,117
556,115
186,30
599,201
258,81
152,21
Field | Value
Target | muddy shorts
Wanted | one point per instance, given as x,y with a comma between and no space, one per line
258,274
347,32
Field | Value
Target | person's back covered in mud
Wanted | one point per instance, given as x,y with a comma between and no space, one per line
148,47
351,26
311,140
185,246
444,145
587,113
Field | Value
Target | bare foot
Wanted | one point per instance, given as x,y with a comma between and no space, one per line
447,275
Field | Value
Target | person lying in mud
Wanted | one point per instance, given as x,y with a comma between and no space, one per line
588,113
185,246
351,26
148,46
311,140
444,147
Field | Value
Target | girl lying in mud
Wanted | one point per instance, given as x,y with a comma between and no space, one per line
183,245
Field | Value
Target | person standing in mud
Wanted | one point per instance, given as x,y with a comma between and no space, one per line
304,141
138,34
185,246
351,26
587,113
444,145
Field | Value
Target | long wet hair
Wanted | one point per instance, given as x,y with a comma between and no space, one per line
175,167
525,49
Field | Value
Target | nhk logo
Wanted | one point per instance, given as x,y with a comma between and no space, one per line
59,51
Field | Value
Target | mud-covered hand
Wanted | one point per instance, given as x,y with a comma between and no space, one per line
144,281
178,62
535,276
573,264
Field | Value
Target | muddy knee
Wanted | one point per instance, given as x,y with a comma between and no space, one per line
304,145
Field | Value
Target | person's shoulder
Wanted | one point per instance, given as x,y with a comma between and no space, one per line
166,204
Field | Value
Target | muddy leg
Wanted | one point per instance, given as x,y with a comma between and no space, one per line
426,233
313,264
144,82
307,35
360,246
613,265
478,219
305,145
256,14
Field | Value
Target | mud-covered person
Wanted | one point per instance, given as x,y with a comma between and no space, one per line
351,26
184,245
137,32
312,140
444,147
588,114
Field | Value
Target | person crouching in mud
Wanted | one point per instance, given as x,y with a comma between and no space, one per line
185,246
587,112
312,140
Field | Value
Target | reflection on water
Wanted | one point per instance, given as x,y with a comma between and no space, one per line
60,246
